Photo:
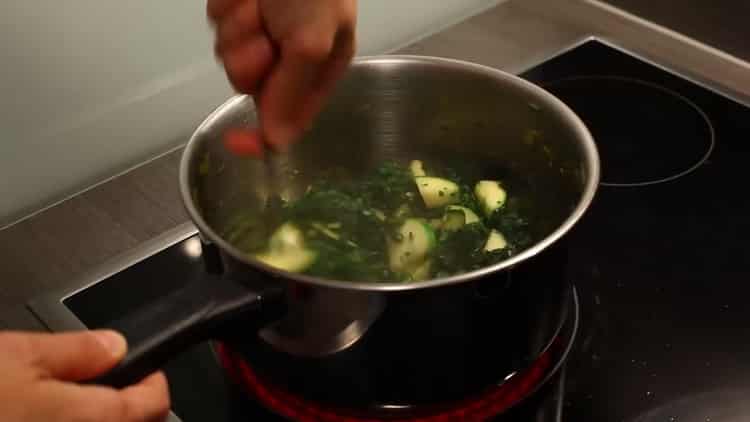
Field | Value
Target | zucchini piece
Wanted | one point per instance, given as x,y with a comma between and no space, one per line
292,260
491,195
495,241
286,250
469,215
437,192
422,272
409,251
453,220
287,236
417,170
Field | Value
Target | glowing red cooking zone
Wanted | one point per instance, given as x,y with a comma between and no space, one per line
482,407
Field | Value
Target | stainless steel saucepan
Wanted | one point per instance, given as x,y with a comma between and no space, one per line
386,108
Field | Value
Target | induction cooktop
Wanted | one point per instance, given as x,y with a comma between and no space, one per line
660,257
658,260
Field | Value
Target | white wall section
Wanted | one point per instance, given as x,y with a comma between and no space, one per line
90,88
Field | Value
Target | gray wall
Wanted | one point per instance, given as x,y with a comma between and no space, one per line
92,87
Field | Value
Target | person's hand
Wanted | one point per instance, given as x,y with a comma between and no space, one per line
288,54
39,374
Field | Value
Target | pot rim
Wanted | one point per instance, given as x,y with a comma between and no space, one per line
591,162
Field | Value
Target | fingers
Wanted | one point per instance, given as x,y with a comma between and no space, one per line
286,96
71,356
247,63
218,9
241,44
287,54
244,20
335,68
147,401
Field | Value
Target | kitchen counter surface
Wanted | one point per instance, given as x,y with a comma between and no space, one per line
51,248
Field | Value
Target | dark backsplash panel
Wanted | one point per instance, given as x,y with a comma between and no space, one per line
719,23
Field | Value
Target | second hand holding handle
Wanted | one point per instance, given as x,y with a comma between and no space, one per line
195,313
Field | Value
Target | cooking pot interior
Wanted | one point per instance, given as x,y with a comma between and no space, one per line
444,113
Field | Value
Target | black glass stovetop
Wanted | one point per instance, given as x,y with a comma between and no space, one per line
659,260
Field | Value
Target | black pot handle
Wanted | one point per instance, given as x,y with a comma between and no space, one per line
195,313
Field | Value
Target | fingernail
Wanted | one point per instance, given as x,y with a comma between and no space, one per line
112,341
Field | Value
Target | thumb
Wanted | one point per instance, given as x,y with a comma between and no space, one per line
76,356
